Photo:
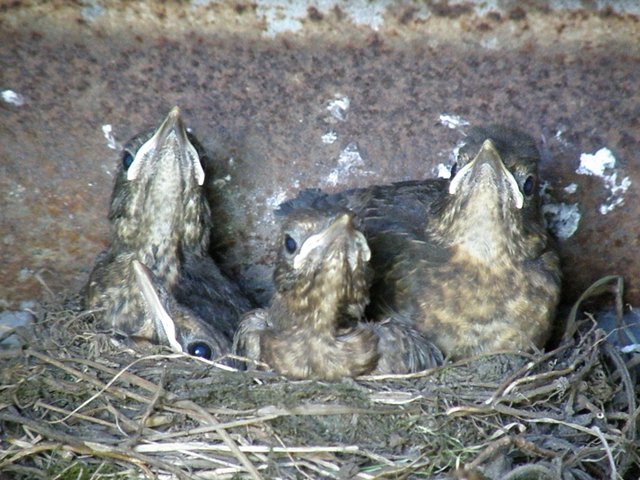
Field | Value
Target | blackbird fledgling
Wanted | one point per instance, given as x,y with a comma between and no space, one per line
468,261
311,329
314,327
171,323
161,218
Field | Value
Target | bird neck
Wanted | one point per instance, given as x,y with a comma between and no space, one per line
325,302
161,234
485,231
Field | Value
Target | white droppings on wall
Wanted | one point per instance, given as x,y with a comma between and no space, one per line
597,163
282,16
12,98
329,137
276,199
443,171
366,13
112,143
452,121
349,162
602,164
339,106
562,219
560,138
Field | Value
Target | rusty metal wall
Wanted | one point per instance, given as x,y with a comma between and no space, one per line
288,95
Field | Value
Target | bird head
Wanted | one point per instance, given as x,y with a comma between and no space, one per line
158,194
175,325
322,262
519,158
493,202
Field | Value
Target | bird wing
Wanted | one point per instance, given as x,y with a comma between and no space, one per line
211,294
247,339
402,206
402,348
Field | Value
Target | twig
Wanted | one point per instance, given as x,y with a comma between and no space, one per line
518,441
225,438
119,392
207,447
82,447
513,380
607,449
149,410
88,418
630,427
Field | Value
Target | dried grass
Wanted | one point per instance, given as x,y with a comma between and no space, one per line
76,405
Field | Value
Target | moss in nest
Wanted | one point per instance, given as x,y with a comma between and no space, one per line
574,408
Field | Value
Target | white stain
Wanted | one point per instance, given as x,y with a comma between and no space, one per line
282,16
13,98
601,164
571,188
91,11
560,138
349,162
452,121
112,143
221,182
443,171
339,106
276,199
329,137
617,191
563,219
16,190
490,43
367,13
597,163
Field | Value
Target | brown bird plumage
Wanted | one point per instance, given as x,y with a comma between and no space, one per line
468,262
311,329
171,323
314,327
161,218
484,278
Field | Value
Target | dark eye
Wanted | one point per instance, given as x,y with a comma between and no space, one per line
127,160
454,169
527,188
290,244
200,349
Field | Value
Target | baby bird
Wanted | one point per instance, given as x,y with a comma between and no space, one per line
160,217
311,329
314,327
468,261
172,324
484,277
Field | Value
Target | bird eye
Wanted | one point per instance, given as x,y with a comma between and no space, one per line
527,188
200,349
290,244
127,160
454,169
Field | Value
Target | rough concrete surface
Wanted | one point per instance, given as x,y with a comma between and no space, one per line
332,94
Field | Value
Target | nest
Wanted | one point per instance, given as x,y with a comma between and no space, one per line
75,404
